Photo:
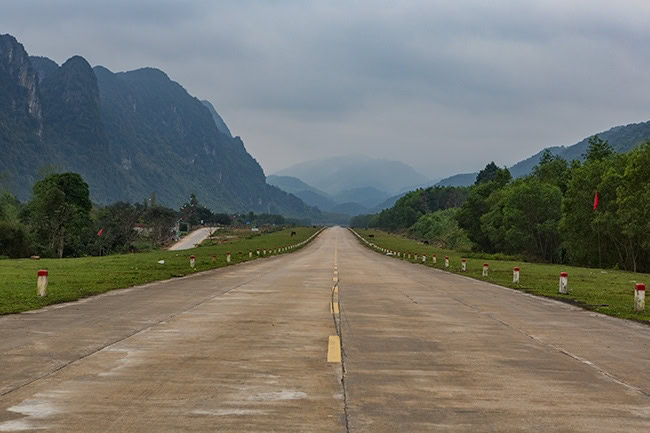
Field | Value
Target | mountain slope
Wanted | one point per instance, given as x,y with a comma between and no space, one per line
129,134
221,125
622,138
334,175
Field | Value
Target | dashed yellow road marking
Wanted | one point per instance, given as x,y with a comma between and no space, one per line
334,307
336,272
335,279
334,349
336,289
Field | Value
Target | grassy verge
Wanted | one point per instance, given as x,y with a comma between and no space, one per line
606,291
72,279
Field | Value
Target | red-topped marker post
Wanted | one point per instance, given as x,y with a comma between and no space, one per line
463,265
228,257
446,261
41,282
192,261
639,297
485,269
564,283
515,275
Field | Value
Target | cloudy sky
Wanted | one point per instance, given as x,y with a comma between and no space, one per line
444,86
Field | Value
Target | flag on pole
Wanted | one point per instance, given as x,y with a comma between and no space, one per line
99,233
596,200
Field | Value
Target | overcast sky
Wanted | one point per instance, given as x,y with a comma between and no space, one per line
444,86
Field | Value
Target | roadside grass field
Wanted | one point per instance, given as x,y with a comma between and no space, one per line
606,291
75,278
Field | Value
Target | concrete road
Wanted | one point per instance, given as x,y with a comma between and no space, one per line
245,349
192,239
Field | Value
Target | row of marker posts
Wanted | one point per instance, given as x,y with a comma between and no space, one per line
42,275
639,288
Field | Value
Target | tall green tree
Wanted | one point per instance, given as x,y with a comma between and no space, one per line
524,217
60,211
633,200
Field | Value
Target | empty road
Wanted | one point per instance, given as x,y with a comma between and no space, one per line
192,239
246,349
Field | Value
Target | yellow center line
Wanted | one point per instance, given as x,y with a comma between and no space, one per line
334,308
334,349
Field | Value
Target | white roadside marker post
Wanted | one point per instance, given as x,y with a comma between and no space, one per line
639,297
192,261
228,257
41,282
250,254
446,261
515,275
424,258
258,251
564,281
434,259
463,265
485,269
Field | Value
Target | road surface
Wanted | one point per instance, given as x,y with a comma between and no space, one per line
192,239
245,349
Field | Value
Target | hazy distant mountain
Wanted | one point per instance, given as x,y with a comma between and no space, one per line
622,138
366,196
307,193
334,175
350,201
350,208
462,179
129,134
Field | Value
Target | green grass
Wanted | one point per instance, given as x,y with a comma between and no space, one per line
609,292
72,279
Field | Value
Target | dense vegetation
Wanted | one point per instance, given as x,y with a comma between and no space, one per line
552,215
61,221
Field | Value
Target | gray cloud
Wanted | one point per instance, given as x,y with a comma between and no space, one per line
445,86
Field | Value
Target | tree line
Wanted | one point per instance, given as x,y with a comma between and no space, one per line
593,213
61,221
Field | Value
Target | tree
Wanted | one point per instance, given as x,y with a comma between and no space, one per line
14,240
633,199
441,227
493,173
117,222
159,221
476,205
526,214
598,149
552,169
61,211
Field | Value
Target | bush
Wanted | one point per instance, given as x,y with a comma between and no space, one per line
14,240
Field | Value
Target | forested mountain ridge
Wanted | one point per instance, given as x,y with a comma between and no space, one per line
622,138
129,134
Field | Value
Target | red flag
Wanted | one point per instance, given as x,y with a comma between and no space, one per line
99,233
596,200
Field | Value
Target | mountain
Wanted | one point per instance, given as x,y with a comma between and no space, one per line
221,125
129,134
337,174
367,196
388,203
622,138
307,193
462,179
350,201
350,208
